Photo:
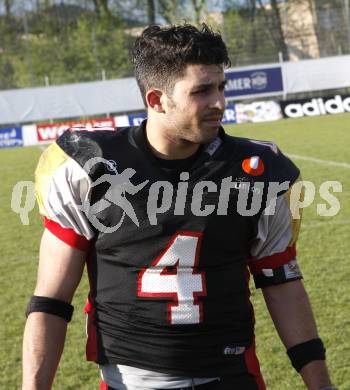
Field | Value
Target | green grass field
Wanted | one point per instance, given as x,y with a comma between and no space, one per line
324,247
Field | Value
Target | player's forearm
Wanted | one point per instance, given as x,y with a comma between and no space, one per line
43,343
315,375
292,315
291,312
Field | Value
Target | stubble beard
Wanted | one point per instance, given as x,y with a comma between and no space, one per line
190,133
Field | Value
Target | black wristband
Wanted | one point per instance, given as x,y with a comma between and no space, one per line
304,353
51,306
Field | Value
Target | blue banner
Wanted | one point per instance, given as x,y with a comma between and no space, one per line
229,115
253,82
11,137
136,119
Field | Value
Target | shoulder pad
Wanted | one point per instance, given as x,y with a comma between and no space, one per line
83,143
279,167
263,159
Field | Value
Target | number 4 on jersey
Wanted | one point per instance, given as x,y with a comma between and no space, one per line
173,274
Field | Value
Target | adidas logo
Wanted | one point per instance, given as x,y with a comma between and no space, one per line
318,106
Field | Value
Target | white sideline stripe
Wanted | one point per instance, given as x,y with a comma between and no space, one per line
320,224
319,161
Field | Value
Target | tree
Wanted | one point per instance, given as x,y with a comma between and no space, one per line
169,10
332,26
7,73
246,36
102,7
274,25
199,7
65,42
8,5
151,12
252,20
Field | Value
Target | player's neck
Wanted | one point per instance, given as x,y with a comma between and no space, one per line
166,147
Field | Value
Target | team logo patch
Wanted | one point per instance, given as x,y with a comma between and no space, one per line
292,270
254,166
112,165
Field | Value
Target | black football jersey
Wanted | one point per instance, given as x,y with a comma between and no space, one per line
169,250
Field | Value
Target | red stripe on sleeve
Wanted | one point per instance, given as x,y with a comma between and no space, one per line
103,385
69,236
274,261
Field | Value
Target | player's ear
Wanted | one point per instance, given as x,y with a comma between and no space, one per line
154,100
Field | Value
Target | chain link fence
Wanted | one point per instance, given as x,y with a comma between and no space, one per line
67,43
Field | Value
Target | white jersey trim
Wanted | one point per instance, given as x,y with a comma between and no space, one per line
69,187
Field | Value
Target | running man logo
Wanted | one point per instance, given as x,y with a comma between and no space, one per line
254,166
120,185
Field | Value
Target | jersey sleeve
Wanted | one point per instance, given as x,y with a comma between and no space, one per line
273,252
62,186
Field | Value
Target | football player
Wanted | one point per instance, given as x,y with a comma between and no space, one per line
170,218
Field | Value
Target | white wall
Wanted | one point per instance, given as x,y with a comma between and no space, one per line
118,96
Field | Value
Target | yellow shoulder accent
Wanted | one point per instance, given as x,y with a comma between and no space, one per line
52,158
295,222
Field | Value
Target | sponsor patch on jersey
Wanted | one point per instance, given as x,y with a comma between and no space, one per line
234,350
213,146
254,166
268,272
292,270
112,165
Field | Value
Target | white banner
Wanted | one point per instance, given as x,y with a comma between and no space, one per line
122,96
258,112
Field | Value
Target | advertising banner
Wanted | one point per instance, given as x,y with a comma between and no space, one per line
229,115
30,136
258,112
136,119
258,81
121,121
317,106
11,137
48,132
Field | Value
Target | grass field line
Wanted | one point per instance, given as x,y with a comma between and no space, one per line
319,161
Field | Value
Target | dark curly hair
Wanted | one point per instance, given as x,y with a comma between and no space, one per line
161,54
